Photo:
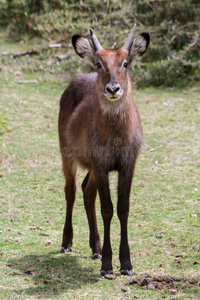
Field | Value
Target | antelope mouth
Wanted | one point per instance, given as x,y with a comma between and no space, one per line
114,97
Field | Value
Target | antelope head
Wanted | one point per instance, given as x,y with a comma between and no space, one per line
112,65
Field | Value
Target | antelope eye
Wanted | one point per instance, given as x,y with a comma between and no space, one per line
125,64
98,65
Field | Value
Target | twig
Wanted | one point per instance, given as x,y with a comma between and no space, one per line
57,45
61,56
11,129
30,52
27,81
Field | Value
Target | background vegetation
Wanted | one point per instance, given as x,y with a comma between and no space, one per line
174,55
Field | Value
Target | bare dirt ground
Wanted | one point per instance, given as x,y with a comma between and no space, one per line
163,282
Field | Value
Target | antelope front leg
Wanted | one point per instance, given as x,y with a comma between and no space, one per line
107,213
90,191
124,186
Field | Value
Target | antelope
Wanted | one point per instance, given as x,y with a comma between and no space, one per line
100,131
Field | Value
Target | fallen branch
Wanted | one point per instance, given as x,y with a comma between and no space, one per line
61,56
30,52
57,45
27,81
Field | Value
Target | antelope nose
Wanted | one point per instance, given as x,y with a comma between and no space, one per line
112,89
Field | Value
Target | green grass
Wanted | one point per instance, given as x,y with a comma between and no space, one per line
165,202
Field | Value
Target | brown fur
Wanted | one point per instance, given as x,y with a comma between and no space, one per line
101,136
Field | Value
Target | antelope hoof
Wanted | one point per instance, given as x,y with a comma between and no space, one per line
67,250
108,274
127,272
97,256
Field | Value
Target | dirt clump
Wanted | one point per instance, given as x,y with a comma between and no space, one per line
163,282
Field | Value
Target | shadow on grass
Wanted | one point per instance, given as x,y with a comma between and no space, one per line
53,273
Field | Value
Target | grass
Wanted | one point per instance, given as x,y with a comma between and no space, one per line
165,202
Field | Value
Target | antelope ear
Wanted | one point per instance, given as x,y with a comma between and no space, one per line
139,46
83,48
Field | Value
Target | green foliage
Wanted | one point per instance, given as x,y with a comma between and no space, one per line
3,124
173,58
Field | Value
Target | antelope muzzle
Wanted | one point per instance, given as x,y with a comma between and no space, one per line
113,91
